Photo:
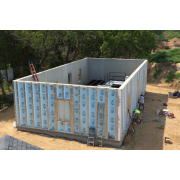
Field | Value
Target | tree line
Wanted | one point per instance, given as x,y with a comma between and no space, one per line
51,48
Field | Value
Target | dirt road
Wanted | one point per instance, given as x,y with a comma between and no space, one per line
153,134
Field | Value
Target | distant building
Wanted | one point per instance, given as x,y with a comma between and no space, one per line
10,74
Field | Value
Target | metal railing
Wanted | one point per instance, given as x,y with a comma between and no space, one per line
114,76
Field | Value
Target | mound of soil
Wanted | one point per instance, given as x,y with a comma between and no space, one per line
166,68
175,42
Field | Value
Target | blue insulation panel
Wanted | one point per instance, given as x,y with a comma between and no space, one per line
83,111
76,109
111,113
66,92
60,92
29,105
92,108
16,103
60,126
101,118
36,105
22,104
44,107
67,127
51,107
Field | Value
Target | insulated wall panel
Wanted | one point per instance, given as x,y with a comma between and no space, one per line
67,127
119,116
29,105
60,92
76,109
66,92
83,111
92,108
60,126
111,114
123,110
16,103
36,105
135,86
101,101
44,106
51,107
22,104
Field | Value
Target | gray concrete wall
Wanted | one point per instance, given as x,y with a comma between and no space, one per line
99,67
91,68
60,73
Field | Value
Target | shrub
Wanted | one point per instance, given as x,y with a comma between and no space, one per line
6,105
172,75
171,55
158,71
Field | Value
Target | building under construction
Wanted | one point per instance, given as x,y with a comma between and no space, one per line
89,95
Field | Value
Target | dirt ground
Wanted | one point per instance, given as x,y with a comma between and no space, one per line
152,134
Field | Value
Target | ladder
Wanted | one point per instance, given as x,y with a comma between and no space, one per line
91,136
33,72
100,123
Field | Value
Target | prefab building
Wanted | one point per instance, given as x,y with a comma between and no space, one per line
66,100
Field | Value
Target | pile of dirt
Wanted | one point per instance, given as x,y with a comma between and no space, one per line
150,72
163,45
175,42
166,68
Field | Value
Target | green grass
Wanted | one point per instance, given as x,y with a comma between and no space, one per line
171,55
6,88
158,71
6,105
172,75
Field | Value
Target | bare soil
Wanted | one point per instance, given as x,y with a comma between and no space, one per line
154,131
152,134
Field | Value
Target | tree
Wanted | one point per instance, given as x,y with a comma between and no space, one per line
126,44
41,42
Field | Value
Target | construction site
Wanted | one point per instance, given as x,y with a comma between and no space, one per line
150,134
90,100
112,99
